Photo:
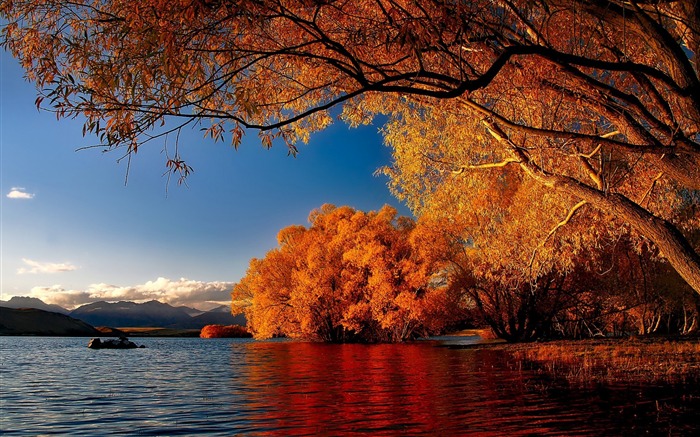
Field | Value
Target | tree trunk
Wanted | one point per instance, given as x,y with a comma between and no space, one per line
672,244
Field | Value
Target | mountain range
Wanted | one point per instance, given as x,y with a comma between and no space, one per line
133,315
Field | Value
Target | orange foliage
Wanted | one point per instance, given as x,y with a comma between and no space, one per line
221,331
591,107
617,285
350,276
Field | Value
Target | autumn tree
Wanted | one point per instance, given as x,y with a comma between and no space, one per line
350,276
617,284
593,103
612,290
650,294
516,306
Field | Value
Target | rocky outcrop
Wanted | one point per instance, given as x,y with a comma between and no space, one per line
121,343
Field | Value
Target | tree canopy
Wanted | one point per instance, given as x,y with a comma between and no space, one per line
350,276
582,284
594,104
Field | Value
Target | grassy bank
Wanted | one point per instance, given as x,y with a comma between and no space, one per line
613,360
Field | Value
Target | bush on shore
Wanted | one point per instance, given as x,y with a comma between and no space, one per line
221,331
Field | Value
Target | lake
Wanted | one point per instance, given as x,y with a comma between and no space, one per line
192,386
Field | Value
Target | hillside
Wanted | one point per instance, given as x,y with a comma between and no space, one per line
32,321
32,302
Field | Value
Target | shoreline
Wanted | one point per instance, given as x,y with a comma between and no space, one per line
610,360
116,332
156,332
643,360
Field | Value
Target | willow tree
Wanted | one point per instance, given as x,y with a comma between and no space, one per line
596,100
350,276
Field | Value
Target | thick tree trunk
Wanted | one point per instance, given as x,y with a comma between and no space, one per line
683,168
672,244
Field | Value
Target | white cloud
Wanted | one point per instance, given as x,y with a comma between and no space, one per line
44,267
19,193
196,294
57,295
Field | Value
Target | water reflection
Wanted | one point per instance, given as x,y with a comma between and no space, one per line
389,389
315,387
312,389
240,387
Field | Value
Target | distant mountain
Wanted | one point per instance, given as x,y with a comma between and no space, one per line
32,321
218,318
153,314
32,302
192,311
221,309
129,314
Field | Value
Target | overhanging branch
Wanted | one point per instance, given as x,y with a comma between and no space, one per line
503,163
562,223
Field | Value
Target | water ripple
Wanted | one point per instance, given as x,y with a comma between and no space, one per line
226,387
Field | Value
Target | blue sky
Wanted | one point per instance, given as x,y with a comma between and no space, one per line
73,232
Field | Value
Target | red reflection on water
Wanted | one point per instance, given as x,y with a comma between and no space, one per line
317,389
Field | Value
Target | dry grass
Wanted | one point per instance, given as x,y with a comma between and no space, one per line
641,360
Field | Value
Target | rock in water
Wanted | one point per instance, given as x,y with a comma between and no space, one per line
122,343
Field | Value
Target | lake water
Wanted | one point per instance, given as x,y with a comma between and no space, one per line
191,386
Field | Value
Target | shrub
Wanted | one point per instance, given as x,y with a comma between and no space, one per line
221,331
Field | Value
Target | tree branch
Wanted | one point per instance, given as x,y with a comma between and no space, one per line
594,139
503,163
564,222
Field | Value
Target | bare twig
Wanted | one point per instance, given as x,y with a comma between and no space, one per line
651,187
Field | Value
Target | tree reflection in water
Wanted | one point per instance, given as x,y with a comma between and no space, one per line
420,389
